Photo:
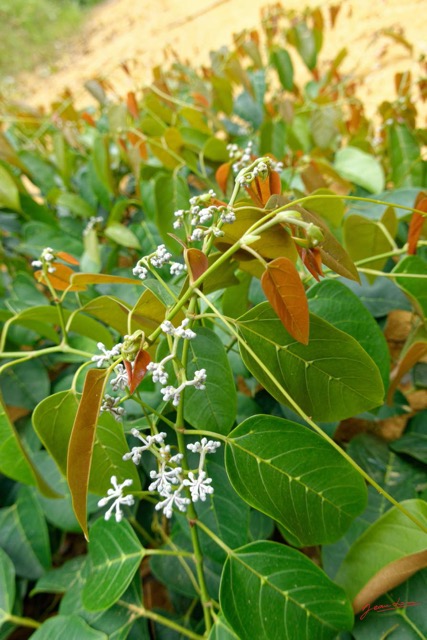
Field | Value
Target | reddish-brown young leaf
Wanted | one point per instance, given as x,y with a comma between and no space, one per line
275,183
254,194
285,292
60,278
88,119
80,447
312,259
132,105
128,367
139,369
67,258
222,174
416,225
197,263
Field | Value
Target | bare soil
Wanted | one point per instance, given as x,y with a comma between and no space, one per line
142,34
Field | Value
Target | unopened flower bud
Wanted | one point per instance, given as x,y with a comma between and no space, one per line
132,344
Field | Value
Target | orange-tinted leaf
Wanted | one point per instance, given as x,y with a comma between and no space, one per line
222,174
416,225
285,292
128,367
197,263
139,369
254,194
312,259
100,278
132,105
67,258
60,278
82,438
138,142
200,99
414,350
275,183
88,119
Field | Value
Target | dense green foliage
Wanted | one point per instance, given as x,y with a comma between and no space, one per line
270,323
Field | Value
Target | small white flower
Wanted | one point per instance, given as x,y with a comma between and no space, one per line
199,485
176,268
205,446
147,442
109,405
164,479
139,271
108,355
199,379
170,393
48,254
121,380
116,494
227,216
179,332
174,499
197,235
160,257
37,263
91,224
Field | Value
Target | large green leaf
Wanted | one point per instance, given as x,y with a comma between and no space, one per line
361,168
7,586
213,408
416,287
281,61
14,459
110,310
115,554
290,473
24,535
335,303
386,554
25,384
61,579
331,378
67,628
221,631
405,156
273,592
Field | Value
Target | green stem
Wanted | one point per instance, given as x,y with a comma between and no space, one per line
142,532
214,537
312,424
166,622
23,622
167,552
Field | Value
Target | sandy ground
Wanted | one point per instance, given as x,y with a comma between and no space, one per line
138,31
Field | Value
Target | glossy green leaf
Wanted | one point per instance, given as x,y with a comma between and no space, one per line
221,631
416,287
9,194
329,209
61,579
405,156
335,303
213,408
361,168
14,459
281,61
291,474
122,235
115,554
414,441
271,591
82,438
171,193
109,310
25,384
53,422
386,554
76,205
68,628
331,378
24,535
380,297
7,586
366,238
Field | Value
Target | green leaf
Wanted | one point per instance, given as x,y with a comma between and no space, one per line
291,474
53,422
414,287
271,591
62,579
9,194
381,297
122,235
366,238
414,441
222,94
7,586
213,408
15,461
392,549
216,150
330,209
172,193
68,628
76,205
273,138
324,125
25,384
248,109
115,554
335,303
281,61
24,535
405,156
110,310
302,37
361,168
331,378
221,631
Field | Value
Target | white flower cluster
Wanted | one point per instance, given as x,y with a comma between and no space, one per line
262,168
147,443
92,223
118,498
110,405
157,259
203,211
48,255
108,354
174,394
121,380
243,158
